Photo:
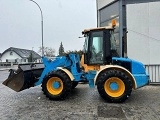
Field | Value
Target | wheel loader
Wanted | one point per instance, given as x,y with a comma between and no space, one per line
114,77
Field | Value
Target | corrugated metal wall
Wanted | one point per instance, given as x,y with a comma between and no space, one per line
154,72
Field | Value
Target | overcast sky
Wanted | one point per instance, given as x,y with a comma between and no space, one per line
64,20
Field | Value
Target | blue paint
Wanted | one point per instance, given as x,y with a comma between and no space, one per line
71,62
114,86
141,79
90,77
122,59
51,65
56,85
137,70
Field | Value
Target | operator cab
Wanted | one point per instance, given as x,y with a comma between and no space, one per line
100,46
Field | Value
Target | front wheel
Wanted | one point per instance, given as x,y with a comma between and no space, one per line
114,86
56,85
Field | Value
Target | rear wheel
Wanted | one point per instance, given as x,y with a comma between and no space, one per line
114,86
56,85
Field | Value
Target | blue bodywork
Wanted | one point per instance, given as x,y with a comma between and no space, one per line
71,62
136,68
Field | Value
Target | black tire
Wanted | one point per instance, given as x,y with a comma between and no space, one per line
74,84
105,90
64,85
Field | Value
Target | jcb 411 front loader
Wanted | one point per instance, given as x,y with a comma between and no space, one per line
114,76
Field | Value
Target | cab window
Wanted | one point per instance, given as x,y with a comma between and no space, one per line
96,47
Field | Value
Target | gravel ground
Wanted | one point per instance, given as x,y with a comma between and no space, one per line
84,103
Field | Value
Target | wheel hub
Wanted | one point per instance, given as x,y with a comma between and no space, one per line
114,86
56,84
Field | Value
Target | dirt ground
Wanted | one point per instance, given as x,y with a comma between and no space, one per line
84,103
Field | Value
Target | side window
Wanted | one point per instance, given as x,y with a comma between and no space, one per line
113,41
85,46
114,45
96,48
11,53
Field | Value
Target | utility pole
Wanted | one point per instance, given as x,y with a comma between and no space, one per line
41,25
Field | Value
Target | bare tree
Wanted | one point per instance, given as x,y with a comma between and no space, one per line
80,52
48,51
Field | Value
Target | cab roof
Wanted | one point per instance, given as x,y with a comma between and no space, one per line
99,28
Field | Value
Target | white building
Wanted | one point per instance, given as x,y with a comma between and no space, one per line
17,55
137,31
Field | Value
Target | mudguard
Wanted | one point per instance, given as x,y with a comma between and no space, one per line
67,72
119,68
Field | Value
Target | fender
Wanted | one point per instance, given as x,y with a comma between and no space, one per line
67,72
131,77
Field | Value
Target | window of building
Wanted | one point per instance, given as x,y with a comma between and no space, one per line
11,53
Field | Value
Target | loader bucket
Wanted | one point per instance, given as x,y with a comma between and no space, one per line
24,77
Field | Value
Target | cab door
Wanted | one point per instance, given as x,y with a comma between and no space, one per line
98,51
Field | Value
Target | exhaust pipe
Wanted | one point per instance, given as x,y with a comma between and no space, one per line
24,77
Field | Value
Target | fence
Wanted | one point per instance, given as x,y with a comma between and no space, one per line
4,66
154,72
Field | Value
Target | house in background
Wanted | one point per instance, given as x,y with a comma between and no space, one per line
19,56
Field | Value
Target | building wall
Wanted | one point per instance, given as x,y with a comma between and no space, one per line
142,23
142,42
106,14
38,61
11,56
102,3
143,38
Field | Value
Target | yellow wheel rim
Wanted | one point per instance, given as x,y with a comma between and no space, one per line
114,87
54,85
